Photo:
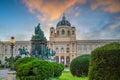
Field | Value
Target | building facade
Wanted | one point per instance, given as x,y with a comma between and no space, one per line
63,40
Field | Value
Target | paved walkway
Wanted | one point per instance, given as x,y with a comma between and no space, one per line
3,73
67,69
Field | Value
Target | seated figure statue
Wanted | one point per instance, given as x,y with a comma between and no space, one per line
37,28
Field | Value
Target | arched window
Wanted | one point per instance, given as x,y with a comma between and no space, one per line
68,32
68,50
67,60
51,32
62,50
62,59
57,59
73,32
62,32
57,50
57,32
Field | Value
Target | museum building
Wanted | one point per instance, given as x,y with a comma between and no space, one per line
62,39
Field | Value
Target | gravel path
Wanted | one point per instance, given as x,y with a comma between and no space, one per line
3,73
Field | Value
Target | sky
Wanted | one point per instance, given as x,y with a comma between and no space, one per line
93,19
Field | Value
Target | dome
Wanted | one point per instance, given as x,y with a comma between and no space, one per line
63,22
52,28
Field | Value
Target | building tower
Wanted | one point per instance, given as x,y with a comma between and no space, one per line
63,41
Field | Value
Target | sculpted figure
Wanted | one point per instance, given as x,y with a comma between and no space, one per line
23,51
37,28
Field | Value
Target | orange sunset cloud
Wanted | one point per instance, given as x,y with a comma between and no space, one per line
106,5
51,9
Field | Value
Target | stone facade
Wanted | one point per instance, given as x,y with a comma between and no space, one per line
5,48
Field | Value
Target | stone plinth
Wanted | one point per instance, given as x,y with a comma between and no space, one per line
11,75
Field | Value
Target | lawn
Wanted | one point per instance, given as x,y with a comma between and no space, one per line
66,75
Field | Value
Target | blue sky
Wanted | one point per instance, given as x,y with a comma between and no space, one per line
93,19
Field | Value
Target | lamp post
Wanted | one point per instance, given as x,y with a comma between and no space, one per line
12,43
12,73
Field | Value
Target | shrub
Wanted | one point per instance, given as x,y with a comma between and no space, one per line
79,65
24,60
105,62
58,68
33,69
16,58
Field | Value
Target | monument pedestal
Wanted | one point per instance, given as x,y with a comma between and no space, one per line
11,75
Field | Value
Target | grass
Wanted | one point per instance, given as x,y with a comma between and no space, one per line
66,75
3,78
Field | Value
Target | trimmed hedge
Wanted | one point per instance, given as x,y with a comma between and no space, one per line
29,68
79,65
58,68
21,61
105,62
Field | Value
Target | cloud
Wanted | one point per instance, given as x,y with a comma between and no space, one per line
76,14
114,25
112,6
50,9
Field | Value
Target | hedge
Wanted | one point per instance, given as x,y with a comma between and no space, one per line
29,68
79,65
58,68
105,62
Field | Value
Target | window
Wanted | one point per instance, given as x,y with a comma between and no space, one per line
67,44
68,32
67,50
5,50
73,32
62,50
72,44
57,59
63,32
62,59
57,32
67,60
56,49
51,32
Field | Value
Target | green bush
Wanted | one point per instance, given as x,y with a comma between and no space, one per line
16,58
79,66
105,62
24,60
32,69
58,68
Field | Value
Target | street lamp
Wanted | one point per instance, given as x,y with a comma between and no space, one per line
12,43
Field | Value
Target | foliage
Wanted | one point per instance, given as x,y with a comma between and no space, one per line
16,58
105,62
58,68
21,61
29,68
79,66
7,60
